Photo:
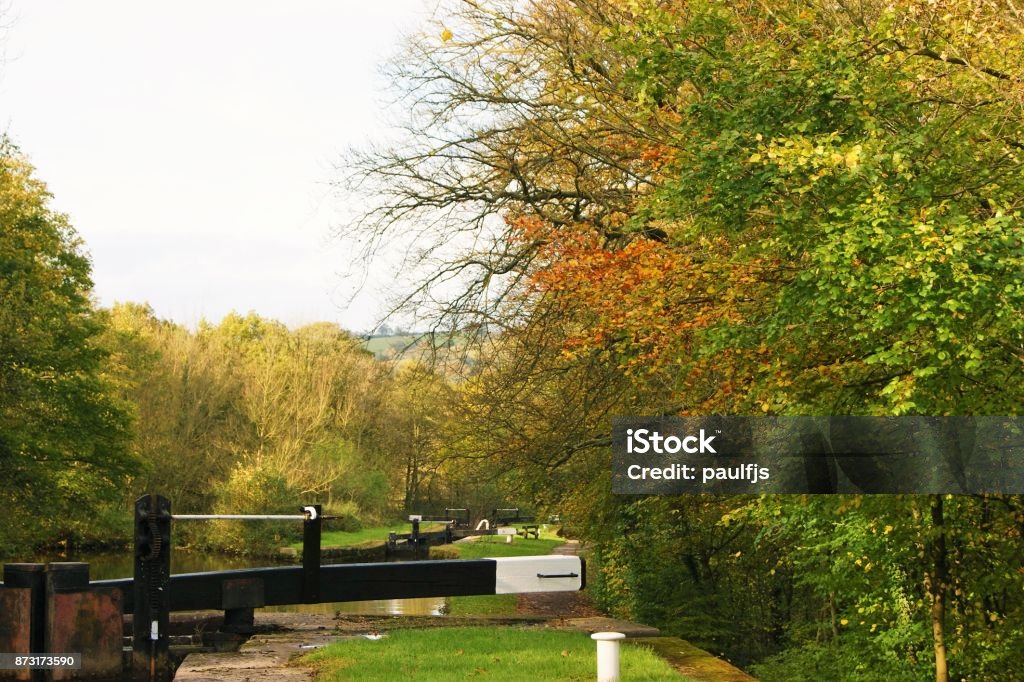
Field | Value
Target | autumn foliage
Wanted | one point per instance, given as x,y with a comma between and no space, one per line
709,207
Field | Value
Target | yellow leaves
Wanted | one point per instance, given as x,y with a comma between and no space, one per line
617,219
852,157
821,155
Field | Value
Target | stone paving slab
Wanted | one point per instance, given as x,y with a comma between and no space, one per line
262,657
238,667
594,624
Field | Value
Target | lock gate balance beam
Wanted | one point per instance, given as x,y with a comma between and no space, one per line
358,582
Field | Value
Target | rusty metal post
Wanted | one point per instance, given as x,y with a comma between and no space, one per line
23,617
85,620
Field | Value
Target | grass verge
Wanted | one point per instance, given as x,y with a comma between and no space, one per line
496,654
495,546
482,605
375,534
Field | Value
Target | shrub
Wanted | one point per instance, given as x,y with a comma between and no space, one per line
251,489
347,516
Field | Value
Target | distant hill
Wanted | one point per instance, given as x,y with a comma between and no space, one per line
392,346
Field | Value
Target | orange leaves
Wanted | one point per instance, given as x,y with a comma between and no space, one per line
640,303
528,228
652,309
657,155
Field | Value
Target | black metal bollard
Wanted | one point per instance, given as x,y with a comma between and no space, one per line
151,588
311,528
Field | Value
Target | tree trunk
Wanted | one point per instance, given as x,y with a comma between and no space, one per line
937,587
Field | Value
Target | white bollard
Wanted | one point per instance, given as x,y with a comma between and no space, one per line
607,655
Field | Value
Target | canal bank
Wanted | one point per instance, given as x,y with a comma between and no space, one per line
283,639
276,651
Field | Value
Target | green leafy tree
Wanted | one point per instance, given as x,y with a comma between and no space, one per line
185,392
742,207
248,415
63,433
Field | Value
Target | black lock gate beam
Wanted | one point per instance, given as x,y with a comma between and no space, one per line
154,593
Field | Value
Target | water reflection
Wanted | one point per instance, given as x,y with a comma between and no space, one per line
119,565
425,606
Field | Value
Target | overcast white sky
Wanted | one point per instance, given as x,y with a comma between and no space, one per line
192,142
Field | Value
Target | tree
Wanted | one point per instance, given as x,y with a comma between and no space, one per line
63,434
248,415
520,111
831,193
843,220
185,391
738,208
843,208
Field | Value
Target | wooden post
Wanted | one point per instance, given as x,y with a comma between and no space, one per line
311,528
151,589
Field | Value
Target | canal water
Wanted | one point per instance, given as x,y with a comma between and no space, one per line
109,566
